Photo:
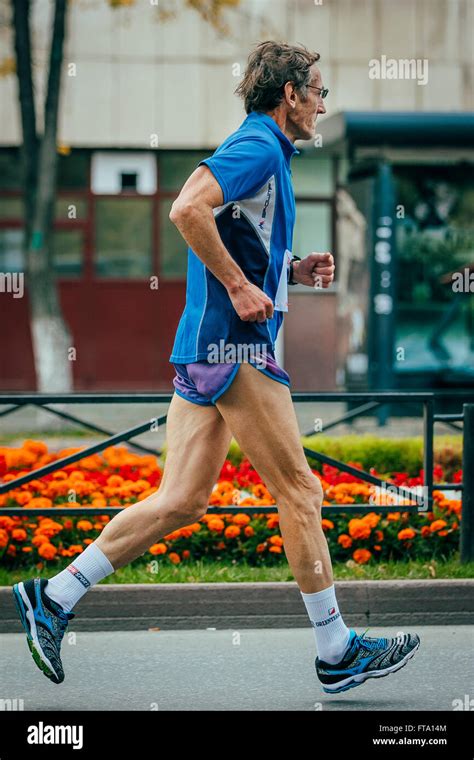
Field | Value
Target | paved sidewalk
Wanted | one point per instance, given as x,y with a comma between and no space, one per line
231,670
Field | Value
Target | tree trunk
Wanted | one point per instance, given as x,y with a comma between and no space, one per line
50,335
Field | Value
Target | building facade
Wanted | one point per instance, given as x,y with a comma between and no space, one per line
143,100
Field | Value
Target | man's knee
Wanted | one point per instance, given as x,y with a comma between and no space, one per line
304,496
189,507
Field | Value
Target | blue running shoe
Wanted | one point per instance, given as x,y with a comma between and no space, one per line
366,658
45,622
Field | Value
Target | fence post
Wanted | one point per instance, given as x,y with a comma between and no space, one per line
428,454
467,513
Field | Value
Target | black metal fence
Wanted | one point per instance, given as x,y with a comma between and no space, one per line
366,403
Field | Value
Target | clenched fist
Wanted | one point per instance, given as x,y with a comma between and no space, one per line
316,270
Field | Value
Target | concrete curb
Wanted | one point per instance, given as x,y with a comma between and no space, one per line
181,606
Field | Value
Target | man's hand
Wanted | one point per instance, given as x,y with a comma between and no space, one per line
316,270
250,303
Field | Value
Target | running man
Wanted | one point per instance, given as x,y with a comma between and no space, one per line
236,212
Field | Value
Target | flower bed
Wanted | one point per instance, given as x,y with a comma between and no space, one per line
120,478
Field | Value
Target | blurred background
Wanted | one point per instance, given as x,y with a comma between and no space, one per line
107,107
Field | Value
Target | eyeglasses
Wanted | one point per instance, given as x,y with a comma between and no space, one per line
323,90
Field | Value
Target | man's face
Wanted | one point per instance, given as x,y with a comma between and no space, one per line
303,116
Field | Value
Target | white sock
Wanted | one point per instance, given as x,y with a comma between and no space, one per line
332,634
88,568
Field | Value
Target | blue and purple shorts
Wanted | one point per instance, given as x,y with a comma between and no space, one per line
204,382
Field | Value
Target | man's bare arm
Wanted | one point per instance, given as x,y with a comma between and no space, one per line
192,213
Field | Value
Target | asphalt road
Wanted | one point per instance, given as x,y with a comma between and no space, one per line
269,669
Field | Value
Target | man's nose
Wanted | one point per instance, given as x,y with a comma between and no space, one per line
321,108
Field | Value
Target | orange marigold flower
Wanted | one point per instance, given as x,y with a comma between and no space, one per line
23,498
26,549
371,519
224,486
11,550
327,524
425,530
40,502
442,533
405,534
232,531
393,516
377,547
275,549
249,531
276,540
186,554
3,538
379,535
158,549
76,548
6,522
18,534
216,524
438,525
186,531
190,529
241,519
260,548
47,551
345,541
358,528
174,558
173,535
39,539
84,525
361,556
273,522
98,502
37,447
88,540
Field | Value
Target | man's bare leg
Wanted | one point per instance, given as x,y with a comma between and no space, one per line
260,413
197,443
198,440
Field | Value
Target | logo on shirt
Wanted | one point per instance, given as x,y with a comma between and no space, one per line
264,210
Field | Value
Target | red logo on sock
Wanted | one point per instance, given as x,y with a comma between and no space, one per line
332,611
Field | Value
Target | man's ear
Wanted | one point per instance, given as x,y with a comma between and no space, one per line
290,94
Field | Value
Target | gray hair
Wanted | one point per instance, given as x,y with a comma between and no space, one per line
269,67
